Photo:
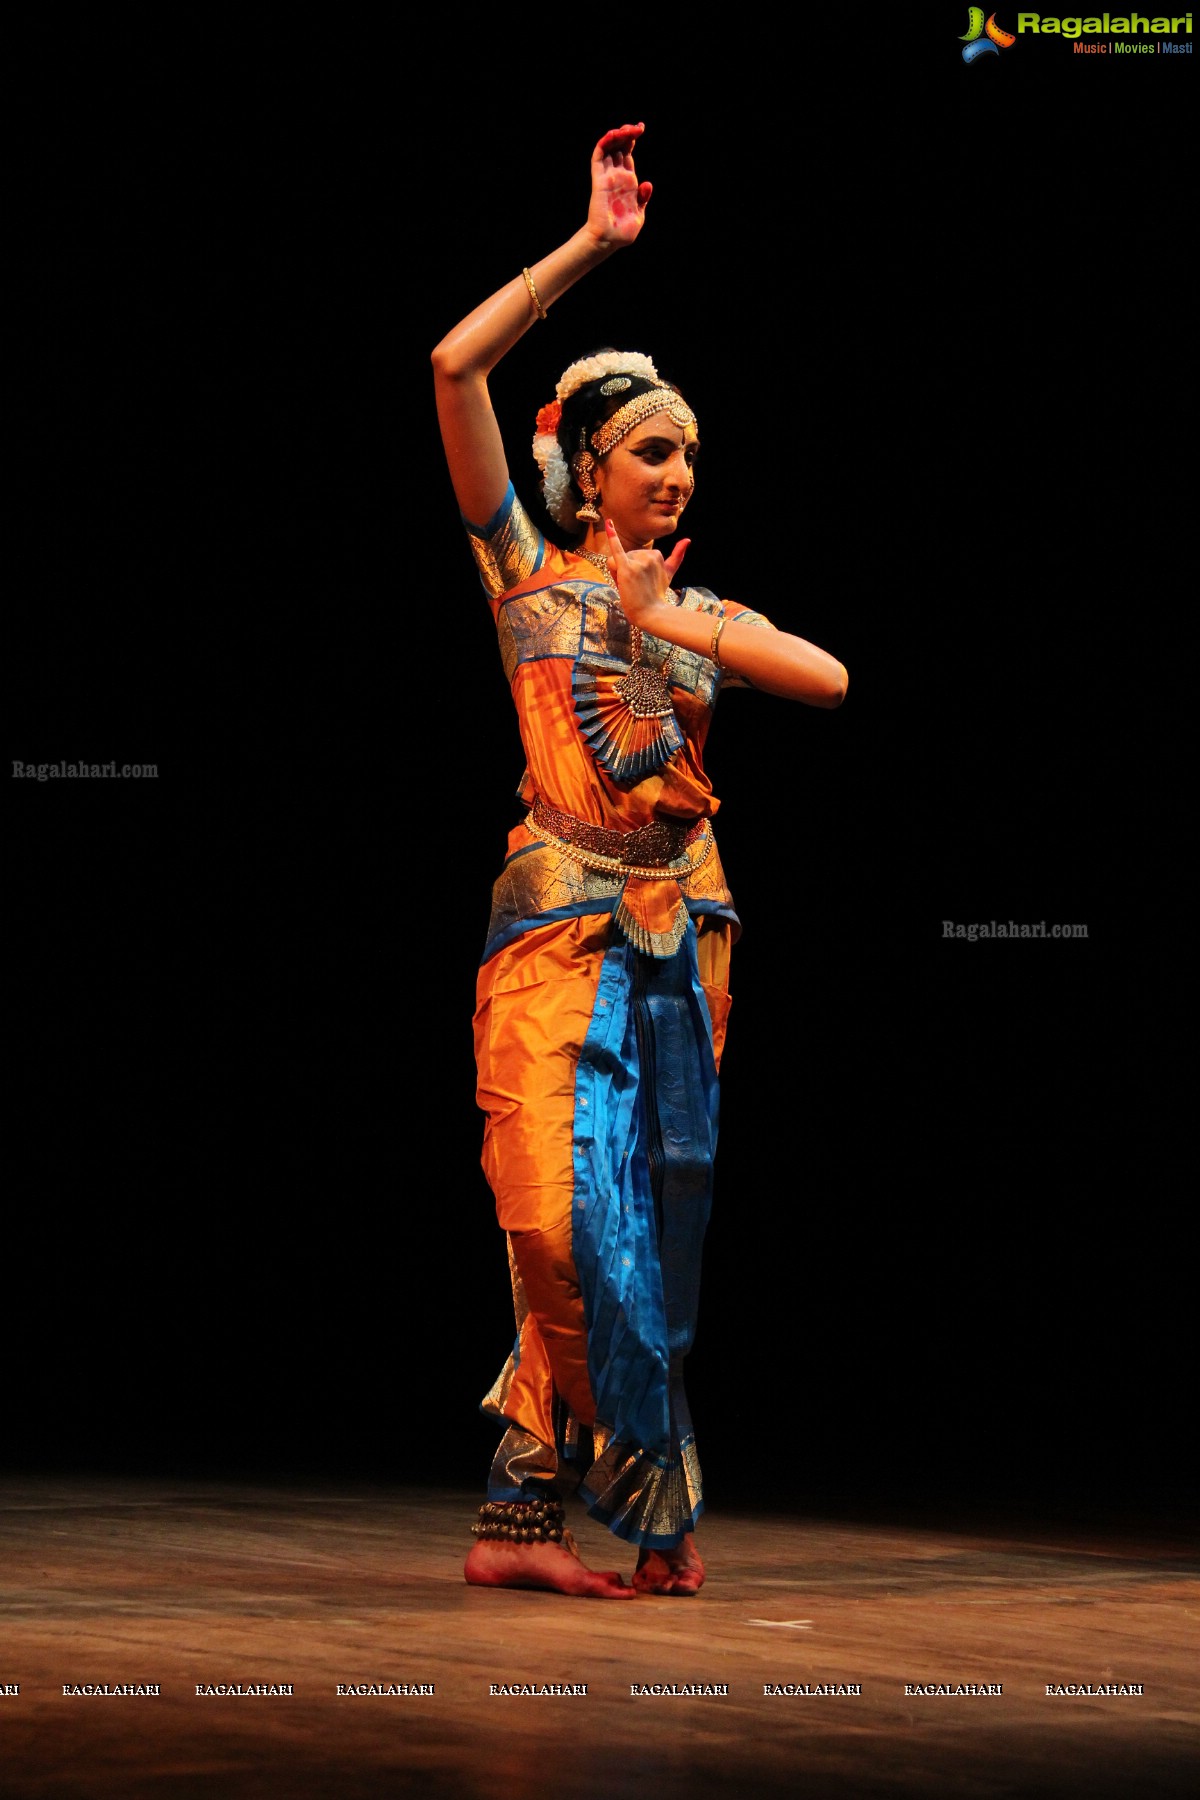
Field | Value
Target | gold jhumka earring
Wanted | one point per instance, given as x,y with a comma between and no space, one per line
582,467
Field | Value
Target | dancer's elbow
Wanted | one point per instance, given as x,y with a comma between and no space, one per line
833,689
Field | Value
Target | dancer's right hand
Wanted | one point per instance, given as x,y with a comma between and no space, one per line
617,210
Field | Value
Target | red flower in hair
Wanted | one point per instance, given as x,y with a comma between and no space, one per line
548,419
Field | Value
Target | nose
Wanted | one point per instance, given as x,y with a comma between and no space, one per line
678,476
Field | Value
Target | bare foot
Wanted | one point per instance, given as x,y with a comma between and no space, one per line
555,1567
678,1570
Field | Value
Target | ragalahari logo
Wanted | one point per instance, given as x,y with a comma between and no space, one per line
976,43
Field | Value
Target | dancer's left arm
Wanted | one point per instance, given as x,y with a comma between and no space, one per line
775,661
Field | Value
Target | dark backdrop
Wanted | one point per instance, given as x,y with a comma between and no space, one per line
932,320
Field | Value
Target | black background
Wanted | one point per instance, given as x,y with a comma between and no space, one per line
933,320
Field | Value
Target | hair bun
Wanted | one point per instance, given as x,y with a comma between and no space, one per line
606,362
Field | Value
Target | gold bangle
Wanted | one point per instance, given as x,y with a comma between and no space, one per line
533,294
713,648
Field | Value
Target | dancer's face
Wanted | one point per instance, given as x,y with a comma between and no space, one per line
646,480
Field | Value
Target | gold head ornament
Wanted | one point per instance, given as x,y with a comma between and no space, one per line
634,412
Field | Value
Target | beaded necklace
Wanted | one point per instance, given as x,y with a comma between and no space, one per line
628,720
654,682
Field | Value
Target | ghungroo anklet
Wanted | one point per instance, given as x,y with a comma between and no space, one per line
520,1521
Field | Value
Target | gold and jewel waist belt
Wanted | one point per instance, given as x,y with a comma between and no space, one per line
653,846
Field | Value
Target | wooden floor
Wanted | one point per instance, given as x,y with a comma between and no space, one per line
141,1582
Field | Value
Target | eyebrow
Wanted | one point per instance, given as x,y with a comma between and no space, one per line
644,443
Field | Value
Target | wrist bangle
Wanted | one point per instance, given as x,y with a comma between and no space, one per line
714,647
533,294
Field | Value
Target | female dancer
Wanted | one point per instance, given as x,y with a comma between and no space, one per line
603,992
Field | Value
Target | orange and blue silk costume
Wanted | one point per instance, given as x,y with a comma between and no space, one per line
601,1009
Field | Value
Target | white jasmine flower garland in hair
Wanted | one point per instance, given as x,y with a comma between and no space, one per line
556,478
547,452
609,362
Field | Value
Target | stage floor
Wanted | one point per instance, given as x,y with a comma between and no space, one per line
184,1586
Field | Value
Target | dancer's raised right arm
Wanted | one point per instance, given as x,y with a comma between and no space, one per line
466,356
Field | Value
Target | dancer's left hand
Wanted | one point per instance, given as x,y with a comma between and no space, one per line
643,578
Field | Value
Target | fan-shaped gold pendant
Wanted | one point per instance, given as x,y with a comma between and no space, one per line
626,718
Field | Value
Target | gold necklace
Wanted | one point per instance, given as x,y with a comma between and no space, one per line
645,690
627,720
655,677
